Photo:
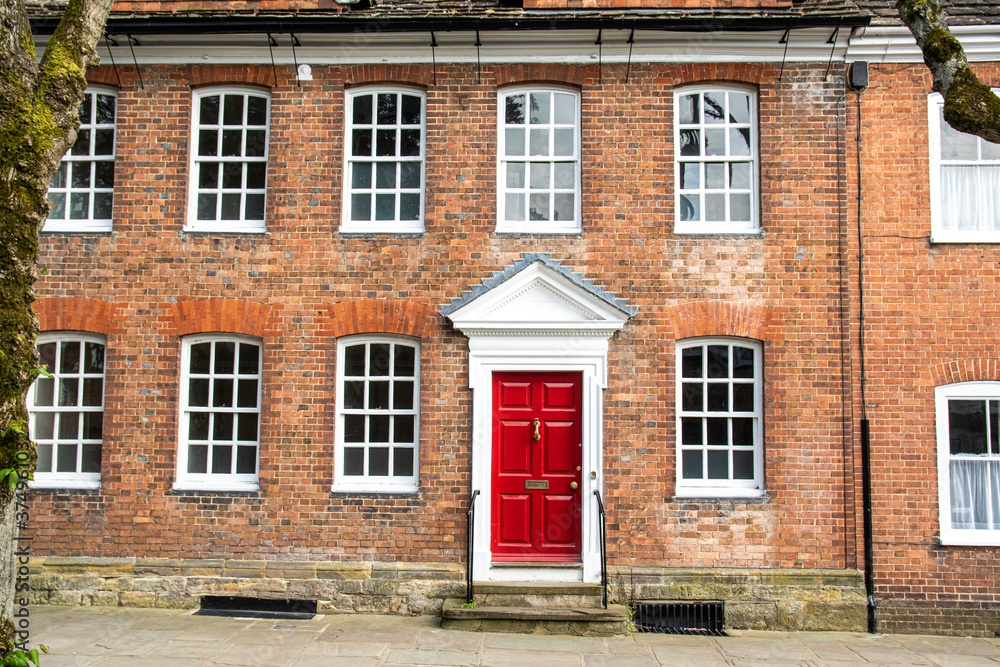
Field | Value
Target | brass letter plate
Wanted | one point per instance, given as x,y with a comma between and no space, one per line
536,484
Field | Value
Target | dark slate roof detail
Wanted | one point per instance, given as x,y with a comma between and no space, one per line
957,12
500,277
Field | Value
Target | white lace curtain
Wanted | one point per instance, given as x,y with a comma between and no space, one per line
970,197
975,495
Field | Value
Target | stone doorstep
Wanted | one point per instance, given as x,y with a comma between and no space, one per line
537,594
535,619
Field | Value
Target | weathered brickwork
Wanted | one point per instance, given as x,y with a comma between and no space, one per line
930,319
302,283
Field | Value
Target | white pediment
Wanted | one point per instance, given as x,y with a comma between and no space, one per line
539,299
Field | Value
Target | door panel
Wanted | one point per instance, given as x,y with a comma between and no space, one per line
537,438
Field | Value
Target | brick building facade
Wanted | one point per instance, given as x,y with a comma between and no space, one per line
345,279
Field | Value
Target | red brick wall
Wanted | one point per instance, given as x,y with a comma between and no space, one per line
930,319
788,282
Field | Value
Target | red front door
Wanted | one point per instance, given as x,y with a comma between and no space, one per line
537,438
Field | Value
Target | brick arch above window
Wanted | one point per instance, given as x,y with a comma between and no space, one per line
231,75
75,314
967,370
220,316
369,316
103,75
540,73
721,73
720,318
408,75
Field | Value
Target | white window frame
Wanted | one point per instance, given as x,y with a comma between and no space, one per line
731,488
528,226
395,225
210,480
67,480
985,391
727,226
87,134
371,483
935,104
218,224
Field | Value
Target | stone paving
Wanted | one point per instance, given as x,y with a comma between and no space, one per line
120,637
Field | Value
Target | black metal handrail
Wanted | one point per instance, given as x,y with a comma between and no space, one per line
604,548
470,523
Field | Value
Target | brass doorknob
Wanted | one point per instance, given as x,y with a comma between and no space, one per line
573,485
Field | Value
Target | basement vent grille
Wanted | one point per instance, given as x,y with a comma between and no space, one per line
247,607
681,618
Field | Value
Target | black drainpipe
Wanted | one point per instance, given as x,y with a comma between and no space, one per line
859,81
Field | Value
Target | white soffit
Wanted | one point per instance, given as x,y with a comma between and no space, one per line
895,44
558,46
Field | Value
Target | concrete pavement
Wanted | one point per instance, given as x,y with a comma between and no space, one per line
126,637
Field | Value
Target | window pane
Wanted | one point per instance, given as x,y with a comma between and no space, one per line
387,109
58,210
362,110
198,426
93,391
105,109
361,144
378,396
739,175
405,361
232,143
565,109
385,206
44,463
692,394
995,428
198,392
691,464
104,142
256,175
402,462
409,206
402,428
354,360
59,178
690,175
514,141
717,431
743,465
540,175
93,425
718,397
222,426
691,432
233,110
246,460
197,459
209,110
562,207
514,206
249,359
409,174
378,363
378,461
246,427
361,207
378,428
82,144
247,394
256,143
385,143
354,461
690,209
539,142
232,175
564,174
222,459
361,175
207,206
715,107
68,388
718,361
69,425
967,426
409,110
201,354
354,428
514,110
691,362
255,207
79,206
739,141
256,110
739,108
715,175
743,398
718,464
385,175
690,142
44,391
715,142
409,142
689,110
564,141
102,205
80,175
225,354
354,395
539,207
44,426
208,142
742,432
222,393
539,108
402,395
66,458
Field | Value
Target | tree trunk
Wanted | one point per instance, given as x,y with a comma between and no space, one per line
969,105
39,105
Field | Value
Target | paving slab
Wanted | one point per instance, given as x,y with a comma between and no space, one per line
515,658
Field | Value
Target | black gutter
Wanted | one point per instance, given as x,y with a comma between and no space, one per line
348,23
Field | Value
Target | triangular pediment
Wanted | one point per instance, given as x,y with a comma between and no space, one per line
538,295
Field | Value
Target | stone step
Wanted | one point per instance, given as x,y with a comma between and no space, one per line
581,621
537,594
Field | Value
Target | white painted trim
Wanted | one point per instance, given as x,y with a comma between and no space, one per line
539,574
895,44
509,329
531,46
